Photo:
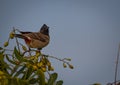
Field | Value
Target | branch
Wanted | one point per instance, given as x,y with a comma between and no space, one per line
116,68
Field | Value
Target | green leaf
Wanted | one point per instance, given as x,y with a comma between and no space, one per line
17,54
14,70
20,71
1,52
60,82
41,77
3,65
52,79
11,61
28,73
68,59
17,81
13,81
33,81
4,81
1,55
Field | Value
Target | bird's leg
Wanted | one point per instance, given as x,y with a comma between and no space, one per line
39,50
29,51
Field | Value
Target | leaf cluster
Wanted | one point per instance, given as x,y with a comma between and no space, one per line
27,67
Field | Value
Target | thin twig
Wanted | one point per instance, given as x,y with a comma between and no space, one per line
116,68
56,58
16,40
28,51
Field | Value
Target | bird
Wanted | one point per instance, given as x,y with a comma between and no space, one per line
37,40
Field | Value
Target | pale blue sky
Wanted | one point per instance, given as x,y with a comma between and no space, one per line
88,31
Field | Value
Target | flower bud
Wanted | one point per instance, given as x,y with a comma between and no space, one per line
24,48
11,35
37,54
50,68
71,66
48,63
64,65
69,59
44,69
39,64
6,44
35,67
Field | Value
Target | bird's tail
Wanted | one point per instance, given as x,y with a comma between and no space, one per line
20,36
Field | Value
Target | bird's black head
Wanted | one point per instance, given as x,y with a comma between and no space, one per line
44,29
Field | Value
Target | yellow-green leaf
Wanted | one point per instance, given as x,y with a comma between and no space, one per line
11,61
52,79
41,77
60,82
17,54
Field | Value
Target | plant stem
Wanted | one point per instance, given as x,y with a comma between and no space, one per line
56,58
16,40
116,68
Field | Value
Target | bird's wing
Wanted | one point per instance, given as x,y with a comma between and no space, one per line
37,36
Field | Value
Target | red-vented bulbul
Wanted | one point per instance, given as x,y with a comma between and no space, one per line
36,39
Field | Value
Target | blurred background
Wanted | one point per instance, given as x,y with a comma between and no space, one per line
87,31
